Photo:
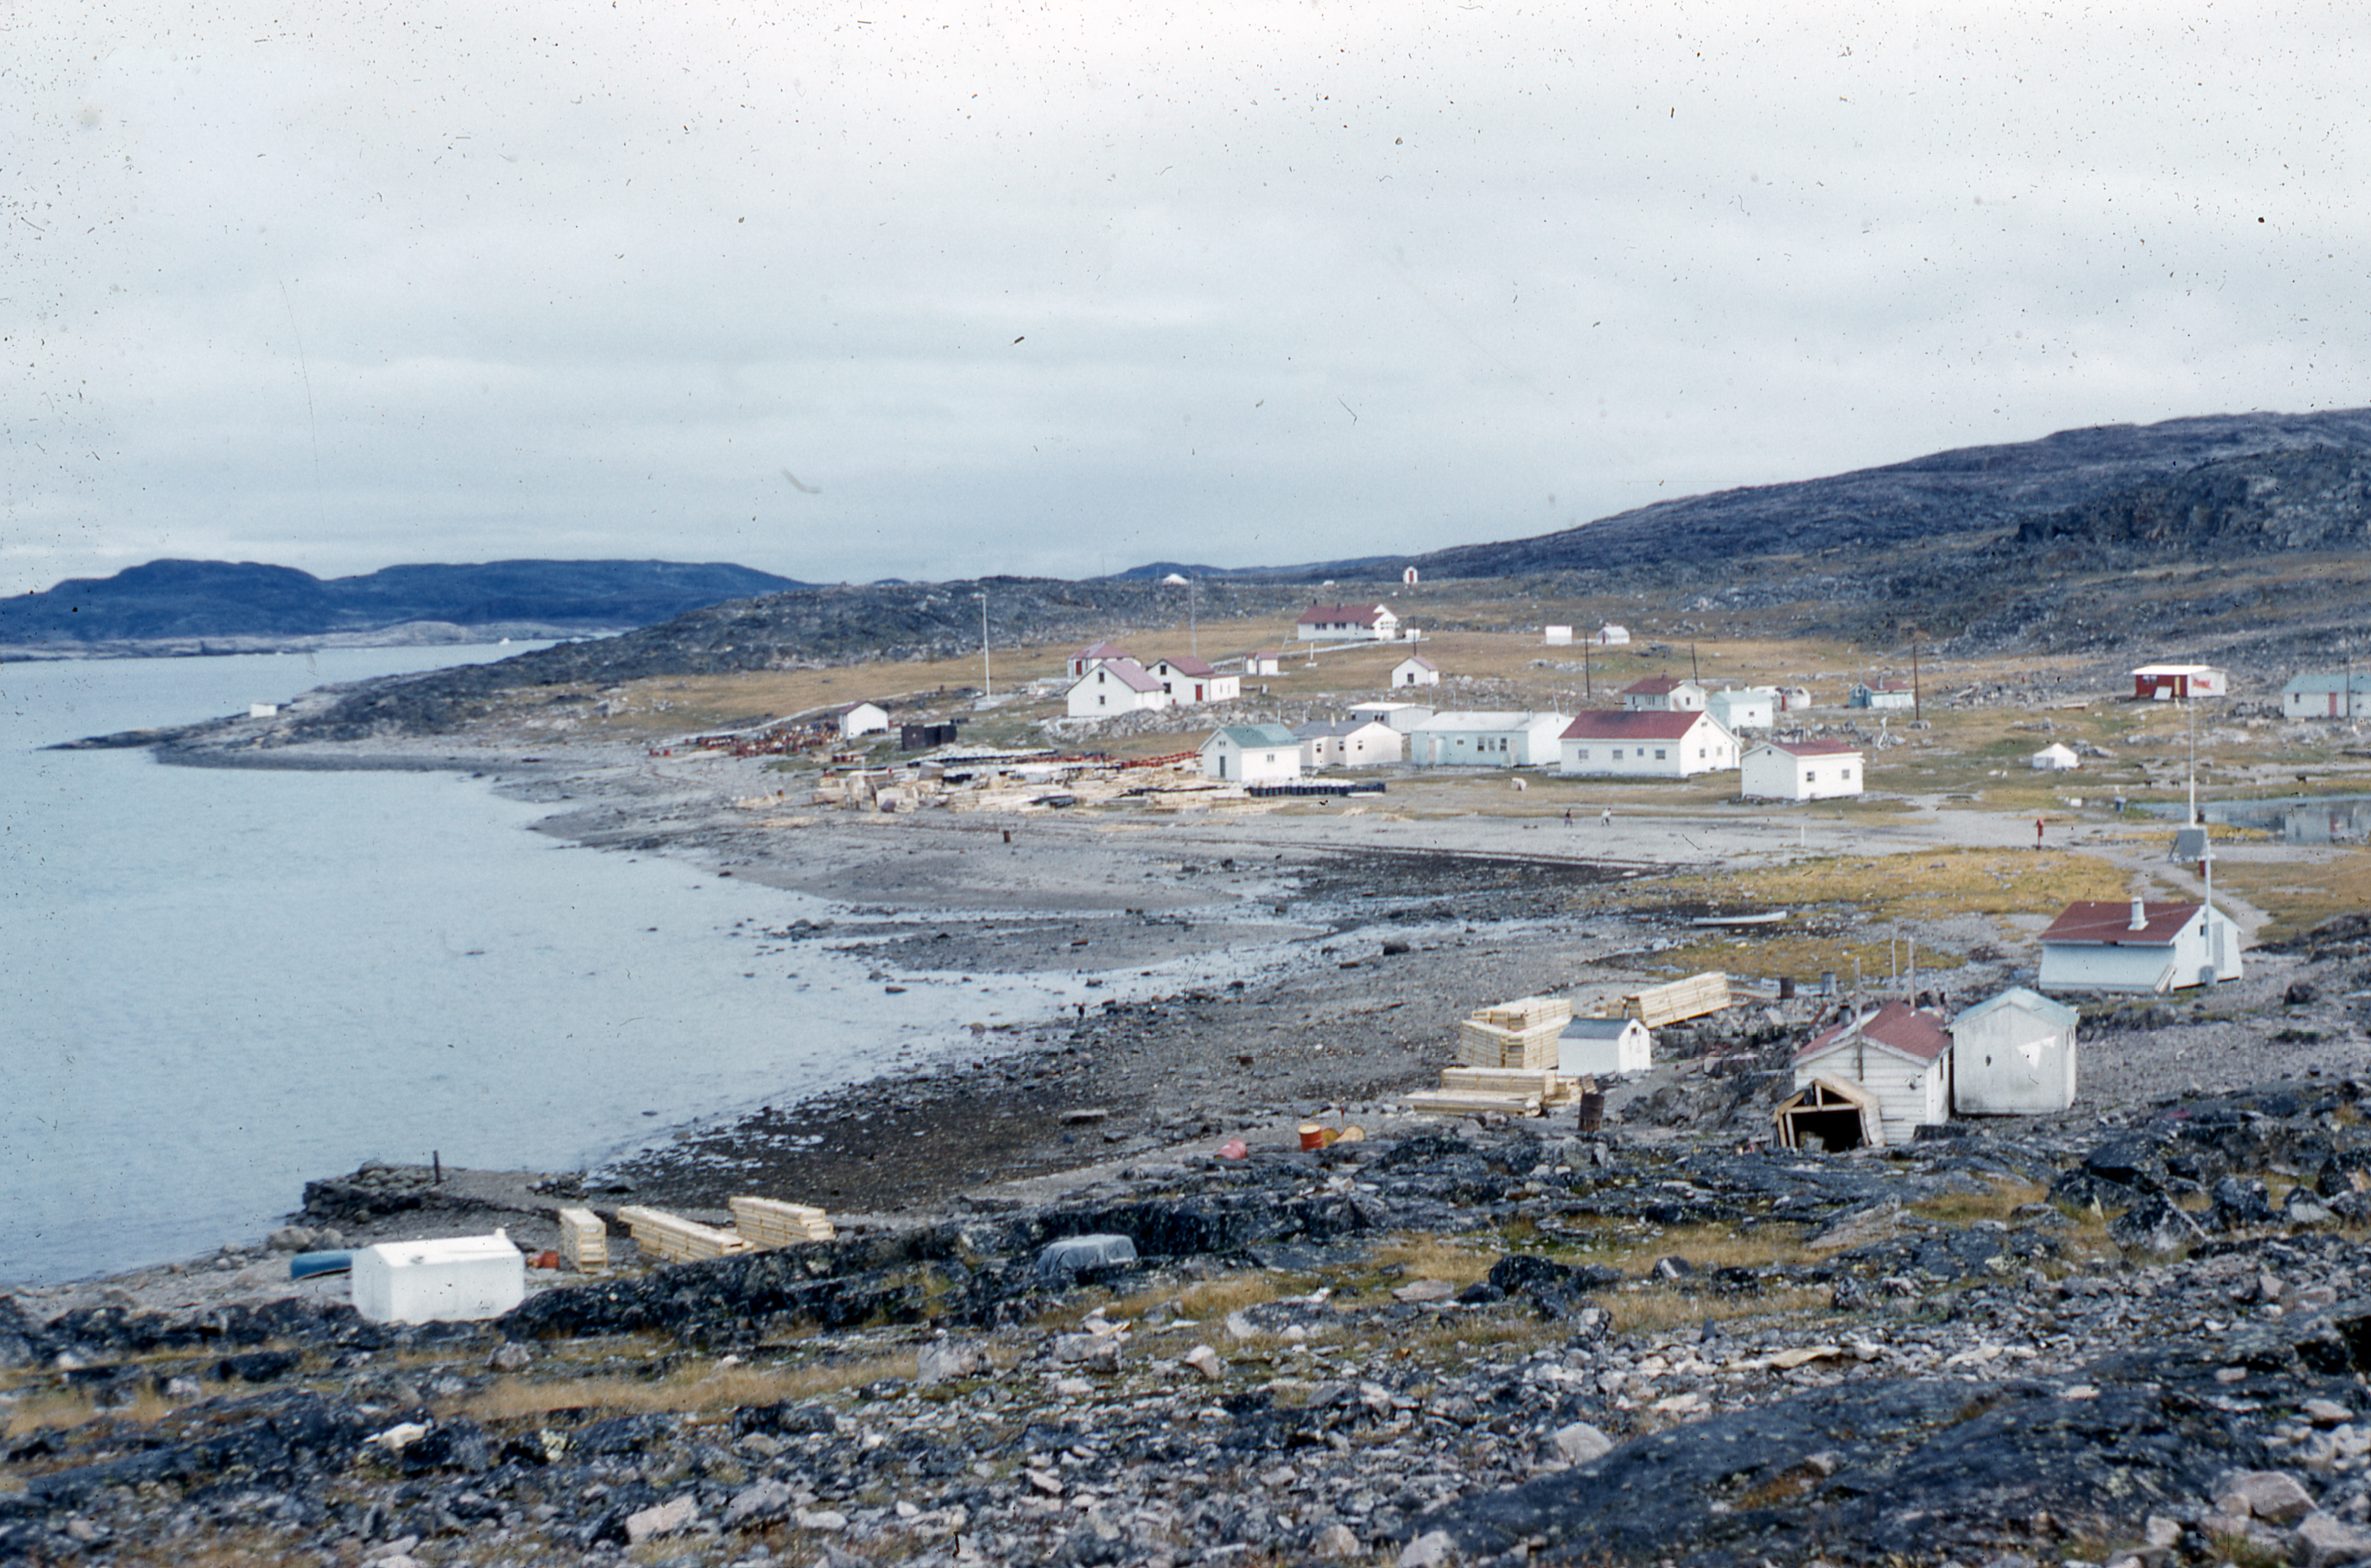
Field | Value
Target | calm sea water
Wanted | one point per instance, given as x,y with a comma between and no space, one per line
216,984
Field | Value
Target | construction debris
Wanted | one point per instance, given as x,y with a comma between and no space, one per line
1509,1057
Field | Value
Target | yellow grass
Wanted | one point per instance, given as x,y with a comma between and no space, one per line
1963,1208
60,1408
1458,1261
2300,894
1665,1309
1907,886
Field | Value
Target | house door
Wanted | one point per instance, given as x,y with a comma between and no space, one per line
1223,764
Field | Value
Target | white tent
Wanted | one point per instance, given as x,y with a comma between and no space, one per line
2055,758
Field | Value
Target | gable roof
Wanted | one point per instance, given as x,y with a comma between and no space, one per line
1249,736
1601,1027
1324,729
1421,662
1186,665
1812,748
1125,671
2058,1015
1655,686
1480,722
1101,650
1605,724
1898,1027
1358,614
2095,923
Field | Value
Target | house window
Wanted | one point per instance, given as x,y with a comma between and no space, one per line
1659,753
1101,700
1580,754
1810,776
1617,754
1844,773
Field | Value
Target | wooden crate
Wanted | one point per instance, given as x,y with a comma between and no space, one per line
671,1238
1692,997
1500,1081
769,1222
584,1241
1443,1102
1526,1013
1488,1045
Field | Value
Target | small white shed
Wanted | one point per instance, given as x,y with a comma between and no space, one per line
1252,753
1801,770
1416,670
1601,1048
1900,1054
455,1279
1751,708
2102,946
2055,758
1558,636
2014,1056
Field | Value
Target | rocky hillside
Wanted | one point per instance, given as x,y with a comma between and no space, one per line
813,626
182,600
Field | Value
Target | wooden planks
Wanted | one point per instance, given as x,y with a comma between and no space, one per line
673,1239
1457,1103
1692,997
583,1240
769,1222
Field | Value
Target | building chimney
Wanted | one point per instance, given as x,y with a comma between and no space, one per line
2140,915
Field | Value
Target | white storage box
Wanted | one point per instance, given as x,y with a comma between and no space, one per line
456,1279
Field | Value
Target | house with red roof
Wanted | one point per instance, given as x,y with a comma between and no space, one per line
1346,623
1113,686
1095,653
1800,770
2138,947
1189,681
1663,694
1898,1053
1416,670
1604,744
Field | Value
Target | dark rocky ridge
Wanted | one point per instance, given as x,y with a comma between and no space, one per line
186,599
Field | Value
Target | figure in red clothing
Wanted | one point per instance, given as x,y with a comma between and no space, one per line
2036,833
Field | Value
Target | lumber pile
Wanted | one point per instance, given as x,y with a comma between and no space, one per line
583,1240
1521,1034
1692,997
769,1222
671,1238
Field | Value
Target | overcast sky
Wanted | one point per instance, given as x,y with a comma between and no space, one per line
853,290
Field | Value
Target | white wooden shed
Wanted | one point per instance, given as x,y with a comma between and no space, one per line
1800,770
1900,1054
1252,753
2014,1056
1416,670
2105,946
1748,707
1601,1048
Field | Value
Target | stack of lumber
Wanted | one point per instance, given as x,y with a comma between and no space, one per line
1520,1034
769,1222
1692,997
1511,1091
584,1241
671,1238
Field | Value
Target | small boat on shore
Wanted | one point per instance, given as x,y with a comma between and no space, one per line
1762,917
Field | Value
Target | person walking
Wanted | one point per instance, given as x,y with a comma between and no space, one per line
1607,820
2036,833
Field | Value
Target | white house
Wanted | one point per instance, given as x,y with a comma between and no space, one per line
1900,1054
1263,664
1611,635
1252,753
2167,683
1486,740
1416,670
1603,1046
1751,708
1409,577
1401,716
1348,743
1094,653
1663,694
1644,745
1558,636
851,720
2055,758
2326,696
2014,1056
1346,623
1115,685
2142,947
1800,770
1884,693
1189,681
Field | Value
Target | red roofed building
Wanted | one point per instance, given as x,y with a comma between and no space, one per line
1663,694
1095,653
1800,770
1188,680
1346,623
1900,1054
1646,746
2138,947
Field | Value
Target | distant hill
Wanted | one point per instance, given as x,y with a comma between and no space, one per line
168,601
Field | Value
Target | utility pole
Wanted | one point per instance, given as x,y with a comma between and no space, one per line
1918,708
1587,689
987,682
2190,723
1694,673
1193,636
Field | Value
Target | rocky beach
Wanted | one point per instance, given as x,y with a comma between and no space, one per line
2128,1332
